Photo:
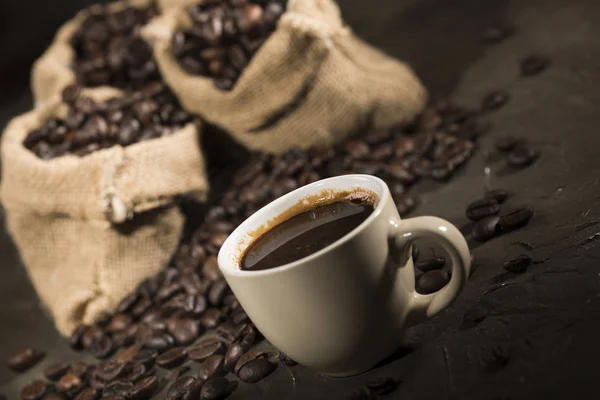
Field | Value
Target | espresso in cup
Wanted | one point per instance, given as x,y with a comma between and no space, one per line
313,227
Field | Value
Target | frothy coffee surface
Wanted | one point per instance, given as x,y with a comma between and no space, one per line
305,234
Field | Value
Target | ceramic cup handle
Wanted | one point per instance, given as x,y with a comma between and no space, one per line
423,306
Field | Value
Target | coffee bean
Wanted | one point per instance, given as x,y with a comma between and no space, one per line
55,371
382,386
248,356
147,357
432,281
110,370
476,314
86,394
184,330
495,100
70,384
70,93
500,195
357,148
533,65
144,389
24,359
80,369
431,264
217,388
179,371
480,209
486,228
212,366
217,292
522,156
211,317
117,388
160,341
206,348
34,390
398,172
518,265
102,347
181,386
136,372
506,143
172,358
515,219
119,323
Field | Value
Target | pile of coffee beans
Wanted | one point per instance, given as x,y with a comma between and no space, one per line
224,36
89,126
110,51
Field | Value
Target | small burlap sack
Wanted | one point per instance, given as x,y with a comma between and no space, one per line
311,83
52,72
90,229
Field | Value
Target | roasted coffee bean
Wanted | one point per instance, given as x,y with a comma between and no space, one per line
24,359
476,314
217,388
518,265
160,341
432,281
183,330
480,209
286,360
127,354
533,65
80,369
117,388
128,302
398,172
206,348
71,93
211,317
179,388
34,390
522,155
500,195
144,389
362,393
212,366
217,292
146,356
506,143
177,372
55,371
497,33
382,386
172,358
87,394
119,323
102,347
431,264
515,219
70,384
232,356
110,370
495,100
249,338
486,228
248,356
256,370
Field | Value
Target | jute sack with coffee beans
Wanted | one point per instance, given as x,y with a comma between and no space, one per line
90,228
311,83
125,61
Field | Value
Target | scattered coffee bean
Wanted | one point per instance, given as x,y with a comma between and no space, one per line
515,219
518,265
506,143
431,264
144,389
476,314
34,390
432,281
533,65
117,388
172,358
500,195
495,100
86,394
102,347
521,156
250,355
212,366
234,352
217,388
256,370
180,389
160,341
206,348
55,371
70,384
76,339
486,228
382,386
147,357
24,359
183,330
480,209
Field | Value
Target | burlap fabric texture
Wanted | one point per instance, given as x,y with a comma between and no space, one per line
312,83
90,229
52,72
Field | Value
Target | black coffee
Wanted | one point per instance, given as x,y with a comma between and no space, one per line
305,234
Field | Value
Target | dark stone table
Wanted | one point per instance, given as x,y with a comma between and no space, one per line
546,321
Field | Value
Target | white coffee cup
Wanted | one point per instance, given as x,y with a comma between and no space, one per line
343,308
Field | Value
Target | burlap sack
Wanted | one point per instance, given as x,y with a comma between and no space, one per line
52,71
90,229
311,83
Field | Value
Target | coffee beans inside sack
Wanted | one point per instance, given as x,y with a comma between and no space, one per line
89,189
280,75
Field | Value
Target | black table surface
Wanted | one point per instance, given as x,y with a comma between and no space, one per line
546,320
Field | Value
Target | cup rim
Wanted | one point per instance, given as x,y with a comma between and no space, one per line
225,264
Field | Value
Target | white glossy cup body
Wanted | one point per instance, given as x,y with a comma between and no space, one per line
343,309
